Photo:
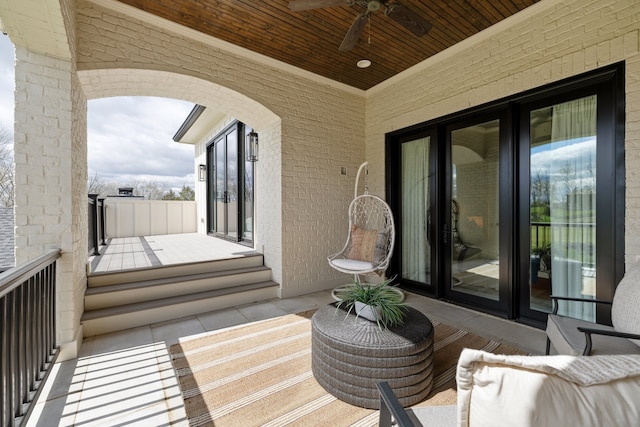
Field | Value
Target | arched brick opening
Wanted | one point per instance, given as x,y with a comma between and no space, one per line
101,83
140,82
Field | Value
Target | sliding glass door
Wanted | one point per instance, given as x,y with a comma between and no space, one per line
448,211
501,207
563,205
473,201
230,186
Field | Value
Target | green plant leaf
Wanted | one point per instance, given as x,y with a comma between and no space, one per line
381,296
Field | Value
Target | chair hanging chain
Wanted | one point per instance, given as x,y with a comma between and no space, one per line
366,181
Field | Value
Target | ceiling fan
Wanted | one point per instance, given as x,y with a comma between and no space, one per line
399,13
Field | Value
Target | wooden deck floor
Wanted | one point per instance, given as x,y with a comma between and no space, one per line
128,253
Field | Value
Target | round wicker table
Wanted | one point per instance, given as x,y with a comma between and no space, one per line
350,355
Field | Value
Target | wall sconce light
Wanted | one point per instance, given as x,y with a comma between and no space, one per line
202,172
252,151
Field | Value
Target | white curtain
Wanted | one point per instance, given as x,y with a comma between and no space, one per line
416,251
573,204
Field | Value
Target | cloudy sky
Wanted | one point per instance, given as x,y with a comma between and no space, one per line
129,138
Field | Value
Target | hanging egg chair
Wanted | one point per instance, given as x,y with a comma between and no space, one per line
371,237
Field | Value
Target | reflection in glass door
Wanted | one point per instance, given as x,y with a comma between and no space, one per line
562,209
473,232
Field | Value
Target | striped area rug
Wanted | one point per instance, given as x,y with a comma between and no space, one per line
259,374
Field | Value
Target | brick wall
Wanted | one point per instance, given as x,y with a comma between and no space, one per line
47,213
301,197
552,40
50,141
308,128
79,217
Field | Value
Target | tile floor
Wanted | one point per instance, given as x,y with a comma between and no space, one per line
126,378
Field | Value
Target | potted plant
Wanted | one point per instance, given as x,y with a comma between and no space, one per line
377,302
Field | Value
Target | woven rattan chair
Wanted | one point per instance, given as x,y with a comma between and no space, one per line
369,245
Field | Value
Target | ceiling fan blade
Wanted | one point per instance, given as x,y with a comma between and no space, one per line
408,19
298,5
354,32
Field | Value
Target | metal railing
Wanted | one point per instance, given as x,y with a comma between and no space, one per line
577,239
391,411
96,224
28,346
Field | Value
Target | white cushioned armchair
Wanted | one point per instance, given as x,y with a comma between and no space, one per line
527,391
580,337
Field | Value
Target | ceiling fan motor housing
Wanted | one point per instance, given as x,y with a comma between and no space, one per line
396,11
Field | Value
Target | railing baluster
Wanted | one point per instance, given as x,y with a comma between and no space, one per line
102,222
4,371
28,339
52,309
39,339
11,366
94,243
33,327
47,344
27,335
21,355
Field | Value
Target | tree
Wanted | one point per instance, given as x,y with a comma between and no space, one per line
186,193
7,168
170,195
96,185
540,197
150,190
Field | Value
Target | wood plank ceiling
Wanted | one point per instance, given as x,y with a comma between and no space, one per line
310,39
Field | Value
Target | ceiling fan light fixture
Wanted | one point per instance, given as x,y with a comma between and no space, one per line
374,5
363,63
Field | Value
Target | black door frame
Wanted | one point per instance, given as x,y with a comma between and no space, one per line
502,307
609,82
241,130
608,85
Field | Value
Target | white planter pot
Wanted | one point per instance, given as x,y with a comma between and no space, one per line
367,311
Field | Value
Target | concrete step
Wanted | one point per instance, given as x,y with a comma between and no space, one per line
127,299
105,320
113,295
174,270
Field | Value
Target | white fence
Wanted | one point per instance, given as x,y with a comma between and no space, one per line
129,217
